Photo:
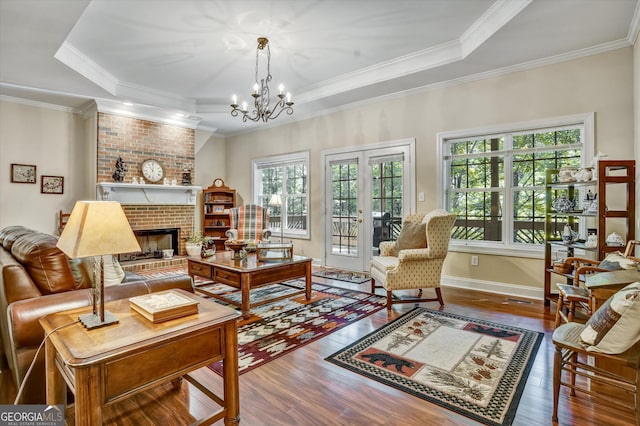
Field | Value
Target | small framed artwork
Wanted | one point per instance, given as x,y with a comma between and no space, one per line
52,184
23,173
218,209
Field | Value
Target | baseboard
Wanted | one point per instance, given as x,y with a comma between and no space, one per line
494,287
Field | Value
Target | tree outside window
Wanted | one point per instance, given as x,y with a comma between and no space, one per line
495,182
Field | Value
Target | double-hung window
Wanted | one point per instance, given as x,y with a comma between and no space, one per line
493,179
280,184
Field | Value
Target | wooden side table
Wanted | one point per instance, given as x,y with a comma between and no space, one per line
603,285
105,365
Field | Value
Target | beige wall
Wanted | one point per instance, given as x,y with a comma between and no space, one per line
601,83
52,141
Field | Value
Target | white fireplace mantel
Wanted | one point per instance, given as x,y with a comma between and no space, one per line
131,193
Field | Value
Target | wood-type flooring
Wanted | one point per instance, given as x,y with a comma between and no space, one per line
301,388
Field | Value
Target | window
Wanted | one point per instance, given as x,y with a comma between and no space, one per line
494,180
287,177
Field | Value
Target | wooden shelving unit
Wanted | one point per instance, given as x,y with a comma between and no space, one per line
613,177
216,202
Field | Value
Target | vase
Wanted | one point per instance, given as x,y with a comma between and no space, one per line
194,249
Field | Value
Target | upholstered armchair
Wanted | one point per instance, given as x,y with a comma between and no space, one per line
399,268
250,223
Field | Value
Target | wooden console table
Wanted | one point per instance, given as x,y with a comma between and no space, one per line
250,273
105,365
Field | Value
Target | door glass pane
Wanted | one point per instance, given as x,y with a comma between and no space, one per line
386,201
344,189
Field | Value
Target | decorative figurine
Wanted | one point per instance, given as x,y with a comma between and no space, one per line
186,177
121,168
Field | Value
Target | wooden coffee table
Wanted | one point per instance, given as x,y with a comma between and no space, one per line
108,364
249,273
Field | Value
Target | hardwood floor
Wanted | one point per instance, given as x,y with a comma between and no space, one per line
302,389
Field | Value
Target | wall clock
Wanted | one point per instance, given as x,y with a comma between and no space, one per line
152,170
218,183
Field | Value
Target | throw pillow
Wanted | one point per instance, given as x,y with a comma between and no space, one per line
412,235
616,261
615,326
113,272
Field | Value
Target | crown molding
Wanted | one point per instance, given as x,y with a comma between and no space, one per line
37,104
602,48
145,112
498,15
79,62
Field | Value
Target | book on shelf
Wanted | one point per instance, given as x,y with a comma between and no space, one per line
163,306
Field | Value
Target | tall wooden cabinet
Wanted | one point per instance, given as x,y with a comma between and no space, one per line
216,202
614,188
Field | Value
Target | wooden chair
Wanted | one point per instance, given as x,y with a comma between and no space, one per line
571,357
417,268
62,220
574,297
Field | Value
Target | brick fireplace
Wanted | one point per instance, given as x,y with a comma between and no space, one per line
135,141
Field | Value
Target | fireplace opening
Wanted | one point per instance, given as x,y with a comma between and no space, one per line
152,242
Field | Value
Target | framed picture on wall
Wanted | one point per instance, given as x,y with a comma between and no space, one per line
52,184
23,173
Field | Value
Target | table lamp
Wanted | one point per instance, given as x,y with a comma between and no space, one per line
276,200
96,229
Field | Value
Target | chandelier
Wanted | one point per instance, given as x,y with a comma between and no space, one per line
262,95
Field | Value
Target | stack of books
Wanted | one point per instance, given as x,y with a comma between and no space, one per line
163,306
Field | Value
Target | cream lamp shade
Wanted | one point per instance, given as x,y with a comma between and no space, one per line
96,228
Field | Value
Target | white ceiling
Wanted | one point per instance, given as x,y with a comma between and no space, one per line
190,56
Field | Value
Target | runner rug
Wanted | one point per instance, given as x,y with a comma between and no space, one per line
474,367
277,328
340,275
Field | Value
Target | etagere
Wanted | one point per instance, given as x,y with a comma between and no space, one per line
217,200
615,211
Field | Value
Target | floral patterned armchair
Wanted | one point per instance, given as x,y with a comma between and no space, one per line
414,268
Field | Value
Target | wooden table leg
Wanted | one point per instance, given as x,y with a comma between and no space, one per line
56,387
89,396
245,286
230,368
307,288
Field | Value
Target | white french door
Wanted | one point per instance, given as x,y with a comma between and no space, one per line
367,192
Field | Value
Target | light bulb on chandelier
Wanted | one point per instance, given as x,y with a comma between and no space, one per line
262,95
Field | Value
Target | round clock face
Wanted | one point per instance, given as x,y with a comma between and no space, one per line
152,170
218,182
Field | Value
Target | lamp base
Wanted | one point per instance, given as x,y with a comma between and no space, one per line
93,321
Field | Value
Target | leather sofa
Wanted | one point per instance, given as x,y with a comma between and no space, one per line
37,279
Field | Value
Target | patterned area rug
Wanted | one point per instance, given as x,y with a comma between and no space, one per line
474,367
279,327
348,276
